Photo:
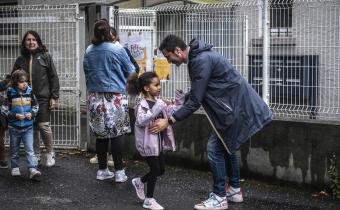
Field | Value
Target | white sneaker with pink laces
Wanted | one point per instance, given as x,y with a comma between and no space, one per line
139,187
151,203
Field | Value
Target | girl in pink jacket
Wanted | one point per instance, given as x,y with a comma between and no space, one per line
152,146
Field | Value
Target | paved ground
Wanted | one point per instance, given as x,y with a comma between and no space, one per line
72,185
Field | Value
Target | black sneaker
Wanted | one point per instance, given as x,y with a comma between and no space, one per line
3,164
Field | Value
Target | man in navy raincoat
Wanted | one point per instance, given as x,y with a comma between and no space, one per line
233,108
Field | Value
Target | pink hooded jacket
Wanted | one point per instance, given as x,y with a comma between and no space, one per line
148,144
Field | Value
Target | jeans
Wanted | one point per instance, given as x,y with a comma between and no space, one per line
26,136
220,161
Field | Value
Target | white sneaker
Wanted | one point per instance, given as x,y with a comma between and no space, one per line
110,163
214,202
15,172
120,176
34,173
139,187
50,159
104,174
94,160
234,195
151,203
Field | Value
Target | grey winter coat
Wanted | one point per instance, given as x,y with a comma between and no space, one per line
44,81
234,109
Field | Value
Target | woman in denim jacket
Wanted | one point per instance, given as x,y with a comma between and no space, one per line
151,146
106,68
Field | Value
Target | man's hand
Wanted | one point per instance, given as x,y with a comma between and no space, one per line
159,125
29,116
53,103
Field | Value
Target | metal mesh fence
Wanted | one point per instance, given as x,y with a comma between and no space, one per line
58,28
304,61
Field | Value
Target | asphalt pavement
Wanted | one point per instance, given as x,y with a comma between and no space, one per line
71,184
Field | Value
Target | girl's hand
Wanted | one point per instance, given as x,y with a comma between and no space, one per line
29,115
20,116
180,97
169,102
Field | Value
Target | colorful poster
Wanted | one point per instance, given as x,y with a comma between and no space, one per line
161,66
140,46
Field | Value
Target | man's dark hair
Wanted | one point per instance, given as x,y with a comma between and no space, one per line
171,42
41,48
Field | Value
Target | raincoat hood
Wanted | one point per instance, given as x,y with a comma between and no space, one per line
197,46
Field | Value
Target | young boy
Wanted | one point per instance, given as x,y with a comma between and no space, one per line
20,108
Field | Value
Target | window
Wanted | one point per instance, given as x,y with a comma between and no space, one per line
281,18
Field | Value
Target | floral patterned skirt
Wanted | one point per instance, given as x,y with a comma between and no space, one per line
108,115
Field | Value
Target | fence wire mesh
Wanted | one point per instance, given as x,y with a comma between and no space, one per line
304,67
57,26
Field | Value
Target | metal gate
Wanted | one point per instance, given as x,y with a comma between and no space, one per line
58,27
216,24
297,45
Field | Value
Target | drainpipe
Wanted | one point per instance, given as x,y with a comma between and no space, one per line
266,52
143,3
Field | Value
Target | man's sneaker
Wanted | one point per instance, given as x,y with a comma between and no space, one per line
104,174
110,163
38,158
234,195
214,202
34,173
139,187
15,172
50,159
120,176
3,164
151,203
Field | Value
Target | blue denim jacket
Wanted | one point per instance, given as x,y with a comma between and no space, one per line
106,68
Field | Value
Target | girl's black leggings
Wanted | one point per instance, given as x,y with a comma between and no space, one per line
116,150
156,164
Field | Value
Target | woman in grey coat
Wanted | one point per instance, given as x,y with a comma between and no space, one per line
38,63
